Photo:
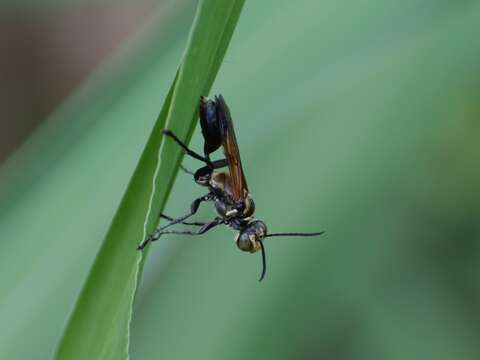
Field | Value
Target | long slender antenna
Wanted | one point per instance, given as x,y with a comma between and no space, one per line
264,262
295,234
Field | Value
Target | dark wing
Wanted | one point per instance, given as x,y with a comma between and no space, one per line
230,147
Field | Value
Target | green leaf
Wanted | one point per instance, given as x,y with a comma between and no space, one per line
99,325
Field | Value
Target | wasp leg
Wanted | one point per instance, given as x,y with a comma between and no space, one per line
194,223
192,153
193,209
203,230
209,168
186,171
217,164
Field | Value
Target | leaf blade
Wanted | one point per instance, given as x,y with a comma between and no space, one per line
99,325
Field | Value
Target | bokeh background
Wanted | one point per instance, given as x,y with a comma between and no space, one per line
360,118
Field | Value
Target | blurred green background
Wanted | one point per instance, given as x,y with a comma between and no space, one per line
360,118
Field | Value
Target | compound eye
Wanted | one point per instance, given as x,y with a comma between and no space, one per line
244,242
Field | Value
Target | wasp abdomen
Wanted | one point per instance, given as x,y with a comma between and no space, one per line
210,126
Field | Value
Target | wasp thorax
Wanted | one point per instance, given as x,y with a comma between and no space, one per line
249,238
230,209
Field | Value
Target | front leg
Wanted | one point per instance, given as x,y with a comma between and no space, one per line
203,230
193,223
193,209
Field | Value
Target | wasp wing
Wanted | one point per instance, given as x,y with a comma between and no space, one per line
230,147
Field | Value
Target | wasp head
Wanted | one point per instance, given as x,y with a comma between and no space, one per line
251,235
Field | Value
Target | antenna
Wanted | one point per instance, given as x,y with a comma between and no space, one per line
295,234
264,261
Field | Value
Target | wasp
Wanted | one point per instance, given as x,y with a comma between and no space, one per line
227,190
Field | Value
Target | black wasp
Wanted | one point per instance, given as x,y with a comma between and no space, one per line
228,191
